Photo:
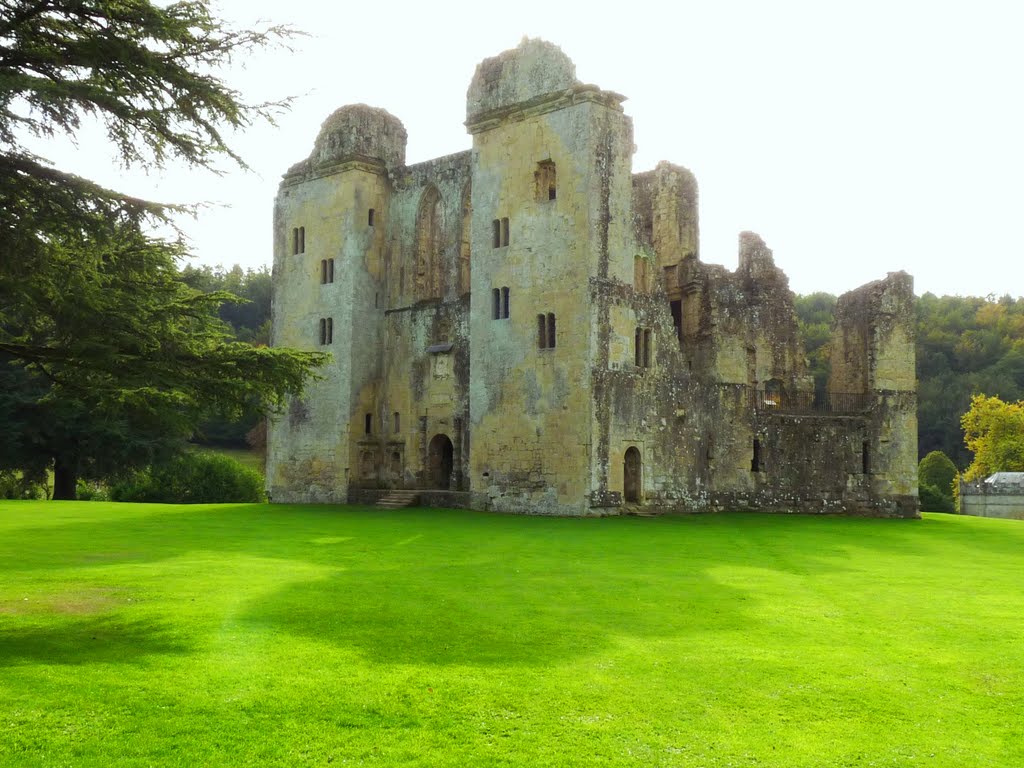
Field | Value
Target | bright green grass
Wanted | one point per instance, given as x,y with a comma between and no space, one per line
137,635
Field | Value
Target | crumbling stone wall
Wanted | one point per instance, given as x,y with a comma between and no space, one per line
529,323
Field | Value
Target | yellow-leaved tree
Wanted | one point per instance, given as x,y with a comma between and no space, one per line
994,433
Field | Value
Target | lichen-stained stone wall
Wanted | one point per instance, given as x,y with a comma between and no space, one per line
873,352
530,402
528,326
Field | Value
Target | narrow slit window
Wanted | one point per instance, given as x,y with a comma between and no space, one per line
295,240
369,218
504,231
865,458
542,333
496,303
504,304
551,331
642,348
369,424
755,460
323,271
326,330
330,270
496,228
396,422
302,239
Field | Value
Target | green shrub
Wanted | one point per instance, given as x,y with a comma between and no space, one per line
17,485
91,490
934,500
937,469
192,478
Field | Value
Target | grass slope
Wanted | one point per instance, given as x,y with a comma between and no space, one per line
135,635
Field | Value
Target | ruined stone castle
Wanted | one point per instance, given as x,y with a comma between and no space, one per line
527,327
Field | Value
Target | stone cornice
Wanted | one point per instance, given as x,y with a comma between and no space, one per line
303,172
549,102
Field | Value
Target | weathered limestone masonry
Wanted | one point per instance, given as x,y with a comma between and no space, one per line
527,327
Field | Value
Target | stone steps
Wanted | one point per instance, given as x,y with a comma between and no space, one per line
398,500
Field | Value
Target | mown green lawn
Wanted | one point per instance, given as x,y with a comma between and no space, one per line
145,635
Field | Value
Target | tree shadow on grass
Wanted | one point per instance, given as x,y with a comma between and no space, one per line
498,611
95,639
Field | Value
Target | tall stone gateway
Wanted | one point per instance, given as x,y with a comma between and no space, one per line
527,327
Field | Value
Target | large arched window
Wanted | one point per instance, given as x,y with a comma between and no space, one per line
429,271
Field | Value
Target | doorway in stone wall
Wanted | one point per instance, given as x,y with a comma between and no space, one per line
440,462
632,476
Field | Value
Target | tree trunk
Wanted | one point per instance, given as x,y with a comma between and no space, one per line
65,481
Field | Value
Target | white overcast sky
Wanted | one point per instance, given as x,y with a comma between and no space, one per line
856,138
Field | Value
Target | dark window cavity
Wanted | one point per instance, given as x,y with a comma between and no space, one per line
326,330
546,331
642,348
546,181
499,303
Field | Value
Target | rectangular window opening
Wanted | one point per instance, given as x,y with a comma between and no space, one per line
504,303
755,461
370,218
330,270
369,423
323,271
546,181
496,239
504,231
496,304
302,240
551,331
396,423
326,330
865,458
677,317
642,348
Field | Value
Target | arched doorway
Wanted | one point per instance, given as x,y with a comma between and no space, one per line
440,462
632,475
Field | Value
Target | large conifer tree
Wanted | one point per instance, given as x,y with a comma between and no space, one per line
107,359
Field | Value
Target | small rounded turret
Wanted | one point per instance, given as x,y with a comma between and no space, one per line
533,68
360,131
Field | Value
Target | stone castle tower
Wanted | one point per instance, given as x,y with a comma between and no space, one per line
527,327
